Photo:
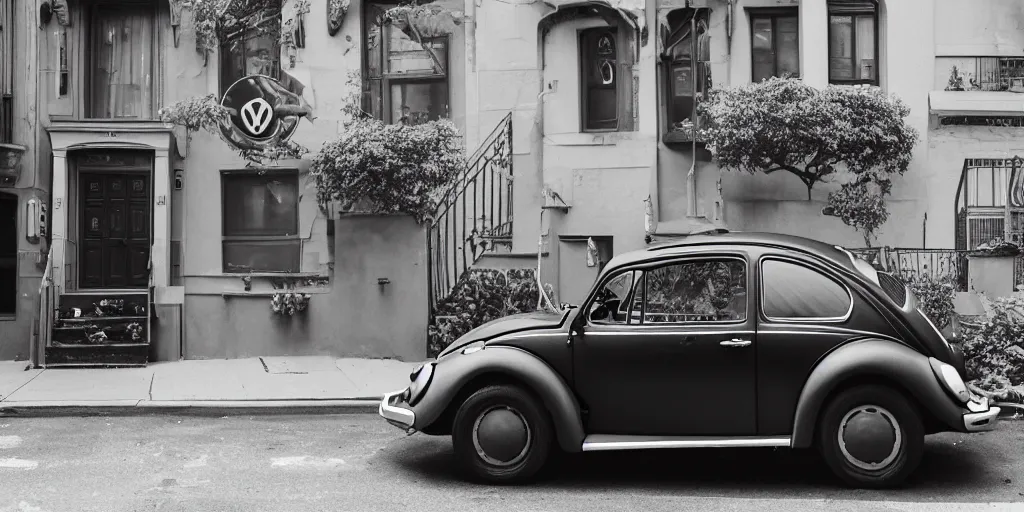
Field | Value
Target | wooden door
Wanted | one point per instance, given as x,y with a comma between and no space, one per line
115,230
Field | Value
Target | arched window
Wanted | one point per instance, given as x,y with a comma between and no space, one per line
8,254
853,42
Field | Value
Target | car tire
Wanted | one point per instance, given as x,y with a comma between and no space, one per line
871,437
501,435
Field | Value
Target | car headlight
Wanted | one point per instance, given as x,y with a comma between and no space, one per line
421,379
952,381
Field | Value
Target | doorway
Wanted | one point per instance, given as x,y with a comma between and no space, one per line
8,254
115,229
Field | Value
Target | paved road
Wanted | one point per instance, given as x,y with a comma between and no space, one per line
350,463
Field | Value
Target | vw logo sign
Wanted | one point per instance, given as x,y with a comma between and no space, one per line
257,115
262,111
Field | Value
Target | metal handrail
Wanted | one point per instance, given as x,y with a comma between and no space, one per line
474,212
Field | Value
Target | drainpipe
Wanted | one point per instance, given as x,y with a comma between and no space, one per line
691,178
538,152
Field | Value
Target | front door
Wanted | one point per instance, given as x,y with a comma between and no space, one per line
673,357
115,228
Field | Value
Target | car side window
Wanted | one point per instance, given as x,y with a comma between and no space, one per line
611,306
791,291
706,290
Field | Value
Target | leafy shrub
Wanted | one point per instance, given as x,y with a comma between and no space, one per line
480,296
936,295
395,168
994,350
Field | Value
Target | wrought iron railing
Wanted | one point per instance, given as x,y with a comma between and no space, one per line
908,262
475,213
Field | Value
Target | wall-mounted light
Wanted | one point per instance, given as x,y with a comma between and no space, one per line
35,220
179,178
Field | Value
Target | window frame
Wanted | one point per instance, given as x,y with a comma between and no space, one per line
698,259
88,80
637,276
854,13
584,57
700,68
640,285
226,239
820,271
241,37
386,78
773,14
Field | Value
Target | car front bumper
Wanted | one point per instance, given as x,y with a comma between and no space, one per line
393,408
980,416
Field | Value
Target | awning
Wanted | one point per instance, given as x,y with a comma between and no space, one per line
976,103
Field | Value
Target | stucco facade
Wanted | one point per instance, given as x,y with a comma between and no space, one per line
611,185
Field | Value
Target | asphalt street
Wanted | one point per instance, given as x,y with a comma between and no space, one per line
356,462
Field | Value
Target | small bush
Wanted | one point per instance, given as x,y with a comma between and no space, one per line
994,350
936,295
480,296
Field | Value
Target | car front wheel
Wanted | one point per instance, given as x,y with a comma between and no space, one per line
871,436
501,435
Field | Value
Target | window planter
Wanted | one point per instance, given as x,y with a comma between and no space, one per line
10,163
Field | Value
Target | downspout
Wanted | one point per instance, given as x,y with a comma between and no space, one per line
691,178
538,151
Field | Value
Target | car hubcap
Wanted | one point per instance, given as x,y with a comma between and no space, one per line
501,436
869,437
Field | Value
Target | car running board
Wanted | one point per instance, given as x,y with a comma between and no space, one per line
608,442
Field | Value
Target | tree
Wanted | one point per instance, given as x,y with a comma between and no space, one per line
782,124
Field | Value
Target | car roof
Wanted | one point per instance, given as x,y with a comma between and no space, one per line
685,245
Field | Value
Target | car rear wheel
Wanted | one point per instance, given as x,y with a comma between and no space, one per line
501,435
871,436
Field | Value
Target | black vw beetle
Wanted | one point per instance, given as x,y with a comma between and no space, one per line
723,340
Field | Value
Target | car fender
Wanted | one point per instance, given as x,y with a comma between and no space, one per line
866,358
455,371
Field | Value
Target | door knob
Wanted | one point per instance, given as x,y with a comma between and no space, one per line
734,343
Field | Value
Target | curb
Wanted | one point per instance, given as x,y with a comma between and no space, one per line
186,407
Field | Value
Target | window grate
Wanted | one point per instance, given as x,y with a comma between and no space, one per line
893,287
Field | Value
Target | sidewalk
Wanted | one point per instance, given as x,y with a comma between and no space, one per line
320,384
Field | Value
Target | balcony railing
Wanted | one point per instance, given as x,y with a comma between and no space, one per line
909,262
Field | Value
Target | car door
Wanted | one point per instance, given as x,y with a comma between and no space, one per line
676,357
804,311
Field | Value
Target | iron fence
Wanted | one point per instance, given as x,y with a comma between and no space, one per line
475,213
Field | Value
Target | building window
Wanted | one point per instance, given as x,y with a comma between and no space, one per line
405,81
599,67
774,43
682,64
853,42
253,51
8,254
261,221
123,43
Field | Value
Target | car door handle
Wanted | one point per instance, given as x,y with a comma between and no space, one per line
734,343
